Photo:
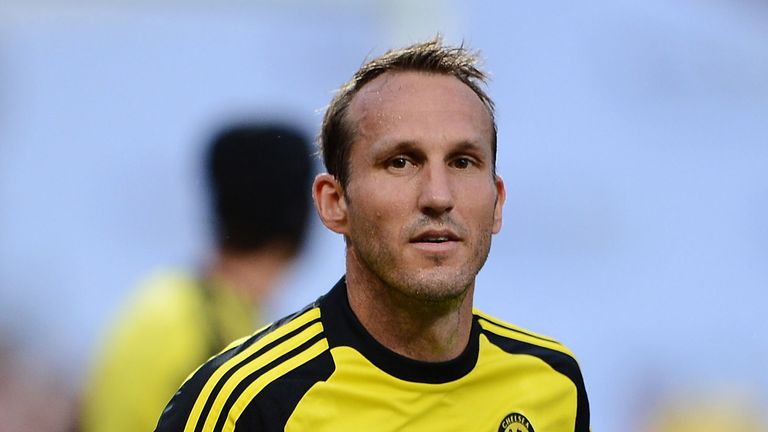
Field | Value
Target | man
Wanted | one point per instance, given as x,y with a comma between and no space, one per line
410,148
258,177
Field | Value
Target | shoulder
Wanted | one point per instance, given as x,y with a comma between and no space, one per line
166,286
164,305
161,294
163,310
503,331
225,388
516,340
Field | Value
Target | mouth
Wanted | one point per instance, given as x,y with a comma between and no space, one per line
435,237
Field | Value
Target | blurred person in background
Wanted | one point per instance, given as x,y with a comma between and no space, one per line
33,397
410,148
724,410
258,178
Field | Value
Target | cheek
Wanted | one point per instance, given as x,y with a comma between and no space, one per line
378,211
387,220
390,216
382,200
480,196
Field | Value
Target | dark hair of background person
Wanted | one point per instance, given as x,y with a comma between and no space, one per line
432,56
259,179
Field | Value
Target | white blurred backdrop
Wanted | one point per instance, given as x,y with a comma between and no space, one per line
633,139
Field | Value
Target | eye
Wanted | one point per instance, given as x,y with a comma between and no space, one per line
399,162
462,163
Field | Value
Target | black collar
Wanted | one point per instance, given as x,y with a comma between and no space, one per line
344,329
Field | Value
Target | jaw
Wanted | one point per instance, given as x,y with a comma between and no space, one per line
419,293
414,272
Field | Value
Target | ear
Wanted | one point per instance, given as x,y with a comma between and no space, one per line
330,202
501,196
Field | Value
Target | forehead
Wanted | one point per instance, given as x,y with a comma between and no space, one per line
419,102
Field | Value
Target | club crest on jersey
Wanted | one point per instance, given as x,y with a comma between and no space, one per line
515,422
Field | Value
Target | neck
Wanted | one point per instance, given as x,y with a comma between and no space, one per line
420,329
252,274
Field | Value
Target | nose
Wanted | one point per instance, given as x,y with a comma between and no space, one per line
436,197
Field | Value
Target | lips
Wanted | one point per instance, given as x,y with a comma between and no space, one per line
435,236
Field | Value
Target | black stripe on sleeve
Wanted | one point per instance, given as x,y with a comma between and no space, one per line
516,330
560,362
242,385
217,388
176,413
278,400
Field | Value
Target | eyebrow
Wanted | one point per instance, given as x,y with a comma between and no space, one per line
410,146
385,150
467,146
399,146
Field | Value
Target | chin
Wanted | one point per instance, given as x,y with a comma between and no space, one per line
437,285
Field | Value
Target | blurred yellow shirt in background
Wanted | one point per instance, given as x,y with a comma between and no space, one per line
725,411
175,322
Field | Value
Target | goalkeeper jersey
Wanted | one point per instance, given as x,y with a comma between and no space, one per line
319,370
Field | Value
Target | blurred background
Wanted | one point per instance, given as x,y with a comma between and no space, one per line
633,139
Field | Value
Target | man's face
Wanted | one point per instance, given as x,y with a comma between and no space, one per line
422,200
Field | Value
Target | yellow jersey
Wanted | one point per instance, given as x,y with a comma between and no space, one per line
319,370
